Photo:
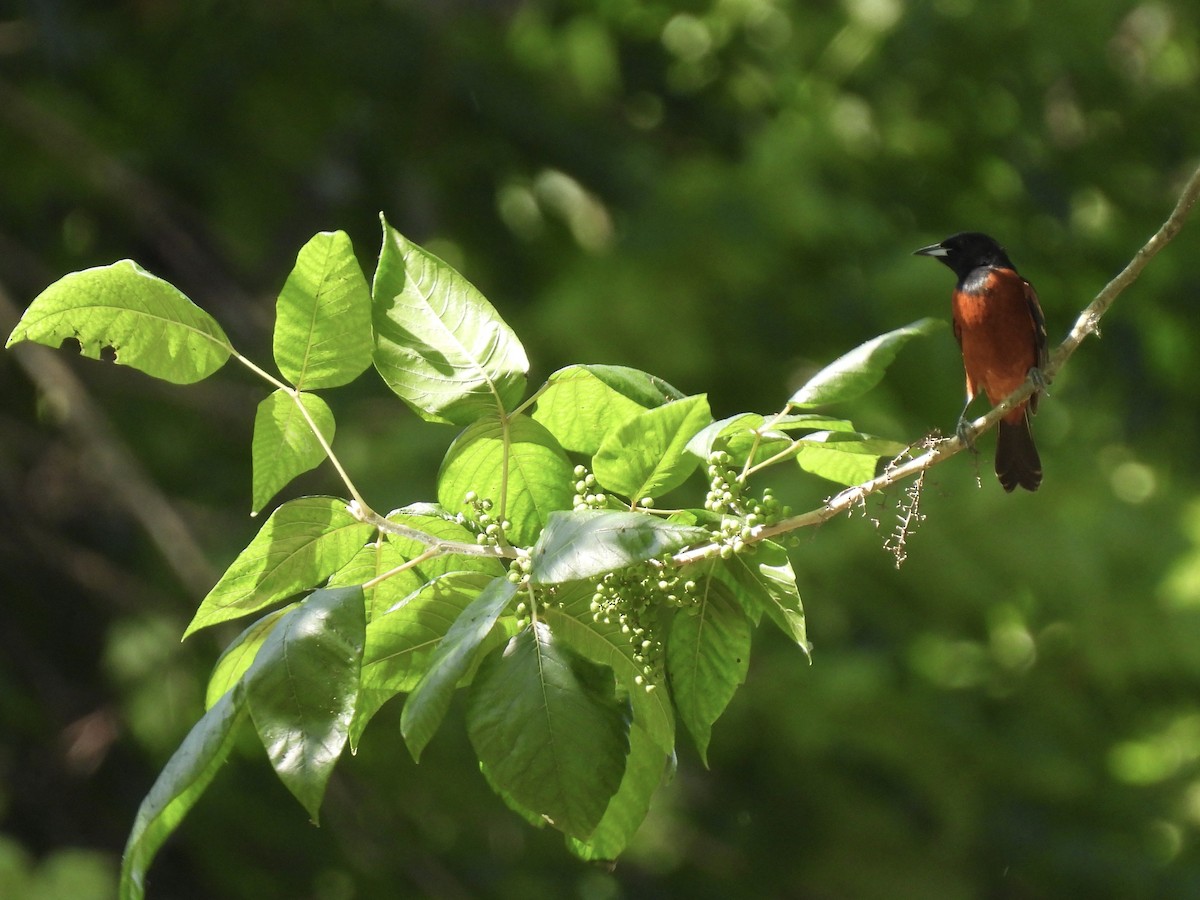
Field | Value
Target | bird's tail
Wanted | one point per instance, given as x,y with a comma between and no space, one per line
1017,461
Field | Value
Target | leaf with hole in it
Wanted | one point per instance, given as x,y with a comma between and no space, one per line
581,404
645,456
303,686
844,457
584,543
299,546
123,310
179,785
323,316
460,648
856,372
550,729
284,445
515,463
439,345
708,654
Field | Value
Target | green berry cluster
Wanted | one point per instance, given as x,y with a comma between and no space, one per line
487,528
741,516
521,567
632,597
587,493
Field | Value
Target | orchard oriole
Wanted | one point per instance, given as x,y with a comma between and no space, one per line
1002,332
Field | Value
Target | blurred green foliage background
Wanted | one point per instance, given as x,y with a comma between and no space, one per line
725,193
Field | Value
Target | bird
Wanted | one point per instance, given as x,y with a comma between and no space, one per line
1001,331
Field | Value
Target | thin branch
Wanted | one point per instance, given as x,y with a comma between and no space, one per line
436,544
427,553
312,425
1087,323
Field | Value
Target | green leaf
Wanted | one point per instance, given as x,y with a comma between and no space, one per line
401,644
238,656
179,785
583,403
717,434
303,686
766,581
645,768
549,729
858,371
708,654
582,544
812,422
515,463
578,408
123,309
323,316
607,645
645,456
284,446
642,388
299,546
439,345
427,704
844,457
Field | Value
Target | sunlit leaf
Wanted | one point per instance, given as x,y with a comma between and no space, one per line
299,546
717,434
515,463
122,309
858,371
549,729
284,445
844,457
645,456
439,345
323,316
578,408
583,403
303,686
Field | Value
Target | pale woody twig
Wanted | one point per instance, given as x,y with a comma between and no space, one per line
1085,324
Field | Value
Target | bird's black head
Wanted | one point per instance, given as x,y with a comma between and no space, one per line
968,251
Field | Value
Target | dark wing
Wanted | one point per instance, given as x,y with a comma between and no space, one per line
1039,335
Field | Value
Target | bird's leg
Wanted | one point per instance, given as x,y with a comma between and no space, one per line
1039,380
963,428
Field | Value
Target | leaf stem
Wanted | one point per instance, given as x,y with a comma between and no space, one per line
437,545
427,553
294,393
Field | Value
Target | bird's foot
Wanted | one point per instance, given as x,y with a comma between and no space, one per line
965,433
